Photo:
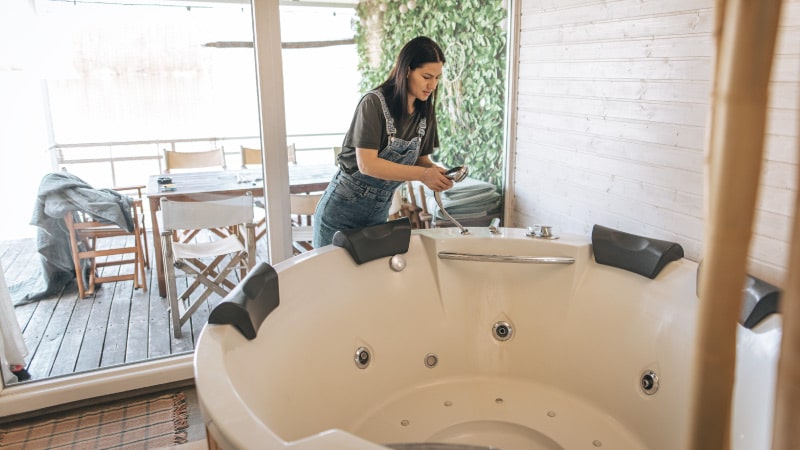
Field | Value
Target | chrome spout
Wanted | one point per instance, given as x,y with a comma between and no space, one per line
438,198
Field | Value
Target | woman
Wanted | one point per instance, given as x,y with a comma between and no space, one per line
390,140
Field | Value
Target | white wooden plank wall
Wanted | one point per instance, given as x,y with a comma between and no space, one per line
611,111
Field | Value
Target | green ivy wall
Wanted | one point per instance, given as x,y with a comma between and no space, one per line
472,34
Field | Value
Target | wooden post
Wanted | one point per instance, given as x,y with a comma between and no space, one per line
744,60
786,424
719,22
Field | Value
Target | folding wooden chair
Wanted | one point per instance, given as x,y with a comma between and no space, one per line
189,161
303,207
336,152
139,205
209,263
193,160
406,206
104,245
252,157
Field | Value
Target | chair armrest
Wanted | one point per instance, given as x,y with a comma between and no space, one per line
138,188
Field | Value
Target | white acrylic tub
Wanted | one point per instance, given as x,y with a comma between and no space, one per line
568,378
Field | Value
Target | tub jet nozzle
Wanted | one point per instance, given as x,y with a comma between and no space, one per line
649,382
502,331
362,357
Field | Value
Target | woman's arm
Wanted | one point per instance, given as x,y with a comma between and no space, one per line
425,170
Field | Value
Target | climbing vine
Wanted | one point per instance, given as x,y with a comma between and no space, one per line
472,34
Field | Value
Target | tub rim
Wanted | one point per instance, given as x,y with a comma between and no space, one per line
250,432
242,429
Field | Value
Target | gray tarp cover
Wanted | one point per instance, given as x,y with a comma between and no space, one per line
60,194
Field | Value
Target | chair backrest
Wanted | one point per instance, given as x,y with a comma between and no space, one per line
302,208
397,203
304,204
336,151
220,213
193,160
252,156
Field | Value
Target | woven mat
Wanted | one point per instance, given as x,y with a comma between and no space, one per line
147,423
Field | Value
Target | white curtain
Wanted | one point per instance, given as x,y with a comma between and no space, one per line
12,345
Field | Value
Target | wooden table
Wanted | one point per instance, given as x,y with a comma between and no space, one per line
199,186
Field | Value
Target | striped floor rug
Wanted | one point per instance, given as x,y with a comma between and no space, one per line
145,423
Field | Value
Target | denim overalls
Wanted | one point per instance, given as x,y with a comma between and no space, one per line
357,200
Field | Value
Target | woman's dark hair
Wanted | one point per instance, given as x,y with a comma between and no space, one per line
415,53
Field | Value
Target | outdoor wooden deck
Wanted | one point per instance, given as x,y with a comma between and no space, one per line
117,325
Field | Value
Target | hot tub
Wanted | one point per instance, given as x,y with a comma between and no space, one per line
494,340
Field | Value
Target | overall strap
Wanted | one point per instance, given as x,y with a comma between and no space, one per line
390,129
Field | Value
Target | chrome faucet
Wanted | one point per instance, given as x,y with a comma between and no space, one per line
456,174
541,232
494,226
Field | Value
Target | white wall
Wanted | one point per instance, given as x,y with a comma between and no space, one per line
611,111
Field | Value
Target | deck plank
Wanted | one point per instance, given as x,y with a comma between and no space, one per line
116,342
159,330
90,356
67,357
200,317
22,269
138,325
39,365
55,331
116,325
21,263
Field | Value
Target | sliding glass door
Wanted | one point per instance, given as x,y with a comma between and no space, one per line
99,90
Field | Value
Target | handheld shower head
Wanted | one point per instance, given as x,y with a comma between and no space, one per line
457,173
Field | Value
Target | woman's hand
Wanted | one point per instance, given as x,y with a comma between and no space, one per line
425,170
434,178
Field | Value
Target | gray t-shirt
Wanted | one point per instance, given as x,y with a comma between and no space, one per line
368,130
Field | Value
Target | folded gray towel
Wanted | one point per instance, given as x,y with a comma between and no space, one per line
468,199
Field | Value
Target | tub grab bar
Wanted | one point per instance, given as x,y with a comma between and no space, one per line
508,259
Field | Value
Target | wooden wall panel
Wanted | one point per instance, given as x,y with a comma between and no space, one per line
611,107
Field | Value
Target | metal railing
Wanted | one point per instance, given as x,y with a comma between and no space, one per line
146,155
